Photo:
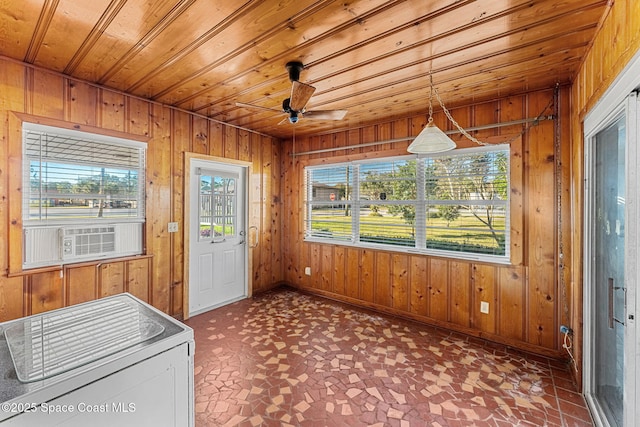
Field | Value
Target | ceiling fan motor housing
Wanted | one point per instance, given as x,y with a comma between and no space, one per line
294,68
293,114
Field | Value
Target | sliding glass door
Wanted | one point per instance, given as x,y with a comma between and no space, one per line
611,218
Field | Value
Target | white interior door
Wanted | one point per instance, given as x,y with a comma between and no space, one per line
217,244
611,266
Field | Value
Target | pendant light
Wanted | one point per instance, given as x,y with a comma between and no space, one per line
431,139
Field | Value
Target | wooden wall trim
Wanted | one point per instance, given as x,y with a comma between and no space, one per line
47,121
77,264
14,195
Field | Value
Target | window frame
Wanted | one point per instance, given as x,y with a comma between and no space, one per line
114,223
421,237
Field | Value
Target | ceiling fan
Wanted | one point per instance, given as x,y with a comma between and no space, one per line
294,106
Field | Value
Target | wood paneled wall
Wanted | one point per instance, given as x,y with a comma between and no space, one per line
527,302
615,44
53,98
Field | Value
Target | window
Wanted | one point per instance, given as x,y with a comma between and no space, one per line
329,209
72,176
217,207
451,204
388,200
83,194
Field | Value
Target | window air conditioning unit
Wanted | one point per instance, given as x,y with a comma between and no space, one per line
53,245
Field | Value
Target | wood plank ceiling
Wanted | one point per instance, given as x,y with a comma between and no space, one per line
370,57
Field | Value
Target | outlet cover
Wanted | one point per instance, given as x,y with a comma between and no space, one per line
172,227
484,307
307,271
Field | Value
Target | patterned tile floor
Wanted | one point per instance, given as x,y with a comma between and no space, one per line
289,359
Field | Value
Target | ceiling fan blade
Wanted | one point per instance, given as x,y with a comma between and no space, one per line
325,115
300,95
257,107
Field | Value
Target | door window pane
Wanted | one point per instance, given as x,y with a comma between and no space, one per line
217,210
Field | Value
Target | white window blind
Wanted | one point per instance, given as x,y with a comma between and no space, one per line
329,202
467,202
449,204
388,201
73,176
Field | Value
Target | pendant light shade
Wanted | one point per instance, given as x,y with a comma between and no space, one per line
431,140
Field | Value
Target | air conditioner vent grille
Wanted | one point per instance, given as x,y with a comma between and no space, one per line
87,244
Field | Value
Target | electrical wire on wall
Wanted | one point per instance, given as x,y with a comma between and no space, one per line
567,342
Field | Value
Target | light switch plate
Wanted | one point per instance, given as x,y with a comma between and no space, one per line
307,271
484,307
173,227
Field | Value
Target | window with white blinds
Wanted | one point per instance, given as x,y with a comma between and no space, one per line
329,195
449,204
71,176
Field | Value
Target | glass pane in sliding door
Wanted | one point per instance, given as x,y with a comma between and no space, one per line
608,268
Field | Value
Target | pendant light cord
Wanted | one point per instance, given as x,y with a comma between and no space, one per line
431,98
467,134
450,117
